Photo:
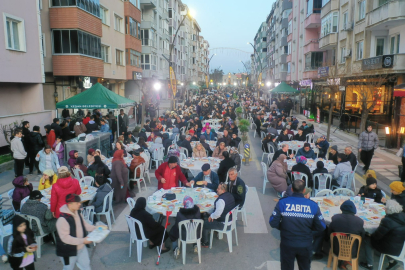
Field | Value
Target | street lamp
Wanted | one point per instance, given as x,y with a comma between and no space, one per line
157,86
268,84
193,83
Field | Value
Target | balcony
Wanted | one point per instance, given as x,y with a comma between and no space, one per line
284,23
310,74
313,21
148,46
289,37
284,41
289,58
77,65
390,14
148,25
328,42
283,58
148,4
331,5
311,45
283,76
286,5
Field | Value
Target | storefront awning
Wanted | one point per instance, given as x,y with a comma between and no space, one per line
399,90
284,88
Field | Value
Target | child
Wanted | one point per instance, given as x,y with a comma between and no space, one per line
48,179
21,245
371,191
98,153
73,154
22,189
59,150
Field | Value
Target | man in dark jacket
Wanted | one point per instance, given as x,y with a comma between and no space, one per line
351,157
92,125
139,113
25,140
36,144
234,129
272,130
166,142
258,124
186,144
282,150
296,217
207,178
346,222
56,128
294,124
226,138
103,189
235,141
300,135
236,187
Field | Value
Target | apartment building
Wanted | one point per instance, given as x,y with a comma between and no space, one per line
22,67
260,47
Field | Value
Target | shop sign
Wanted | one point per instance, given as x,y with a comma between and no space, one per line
137,76
86,82
371,63
323,72
388,61
333,81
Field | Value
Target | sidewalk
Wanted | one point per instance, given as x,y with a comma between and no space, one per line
384,162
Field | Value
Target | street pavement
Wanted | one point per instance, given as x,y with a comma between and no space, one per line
258,243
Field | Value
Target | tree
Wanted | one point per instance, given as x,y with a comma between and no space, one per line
216,75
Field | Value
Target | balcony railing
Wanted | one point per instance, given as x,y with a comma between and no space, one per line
149,42
392,10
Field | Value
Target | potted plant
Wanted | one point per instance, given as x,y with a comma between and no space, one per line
239,112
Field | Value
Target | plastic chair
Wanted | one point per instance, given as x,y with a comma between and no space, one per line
182,156
300,175
139,179
269,159
310,138
183,150
5,231
228,229
109,180
157,156
192,227
87,180
107,212
88,213
265,180
39,234
382,192
262,135
324,192
242,210
346,181
343,191
133,237
323,179
346,242
146,173
10,196
183,130
289,136
78,173
400,258
131,203
26,198
173,146
241,158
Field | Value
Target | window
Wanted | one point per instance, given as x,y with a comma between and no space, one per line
382,2
289,28
139,30
76,42
359,50
345,21
288,67
170,13
398,43
130,26
289,48
105,53
43,46
104,15
119,57
133,58
15,33
313,60
329,24
91,6
324,2
310,4
392,47
379,47
148,61
118,23
148,37
362,9
342,55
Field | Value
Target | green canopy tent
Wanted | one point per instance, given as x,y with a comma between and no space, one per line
96,97
284,88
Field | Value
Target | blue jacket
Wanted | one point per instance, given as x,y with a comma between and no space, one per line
105,128
296,217
211,136
214,180
324,146
309,154
42,161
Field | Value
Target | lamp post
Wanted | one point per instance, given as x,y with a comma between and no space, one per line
260,62
269,85
157,86
208,67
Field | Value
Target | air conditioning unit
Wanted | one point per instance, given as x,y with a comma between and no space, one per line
348,54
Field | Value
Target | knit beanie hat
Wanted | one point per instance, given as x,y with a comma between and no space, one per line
348,206
334,147
188,202
370,181
172,159
397,186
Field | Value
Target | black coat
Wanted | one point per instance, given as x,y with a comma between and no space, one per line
283,138
36,143
333,158
184,214
400,199
92,127
353,160
186,144
301,138
66,135
346,223
375,194
235,142
238,191
224,166
57,129
389,237
150,226
278,153
226,140
299,167
25,139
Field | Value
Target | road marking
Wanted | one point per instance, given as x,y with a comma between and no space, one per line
255,219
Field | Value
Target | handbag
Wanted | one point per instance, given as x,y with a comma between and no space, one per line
400,152
169,196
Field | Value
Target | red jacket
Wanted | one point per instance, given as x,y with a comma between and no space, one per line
60,189
86,120
179,175
50,138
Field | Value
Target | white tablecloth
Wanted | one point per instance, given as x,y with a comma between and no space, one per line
88,194
195,165
109,161
372,214
211,143
201,196
295,144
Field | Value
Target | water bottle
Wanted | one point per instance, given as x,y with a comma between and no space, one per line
361,205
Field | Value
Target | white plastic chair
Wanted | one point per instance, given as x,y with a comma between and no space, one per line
10,196
88,213
4,232
157,157
131,203
323,179
300,175
173,146
242,210
346,181
87,180
241,158
40,232
183,130
227,231
182,156
22,202
383,193
183,150
141,178
324,192
78,173
110,212
310,138
262,135
289,136
146,172
192,229
343,191
109,180
133,237
400,258
269,159
265,180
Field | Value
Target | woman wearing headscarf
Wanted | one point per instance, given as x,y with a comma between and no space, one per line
119,176
320,168
189,211
97,166
224,166
90,156
277,174
234,155
152,229
302,168
142,134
